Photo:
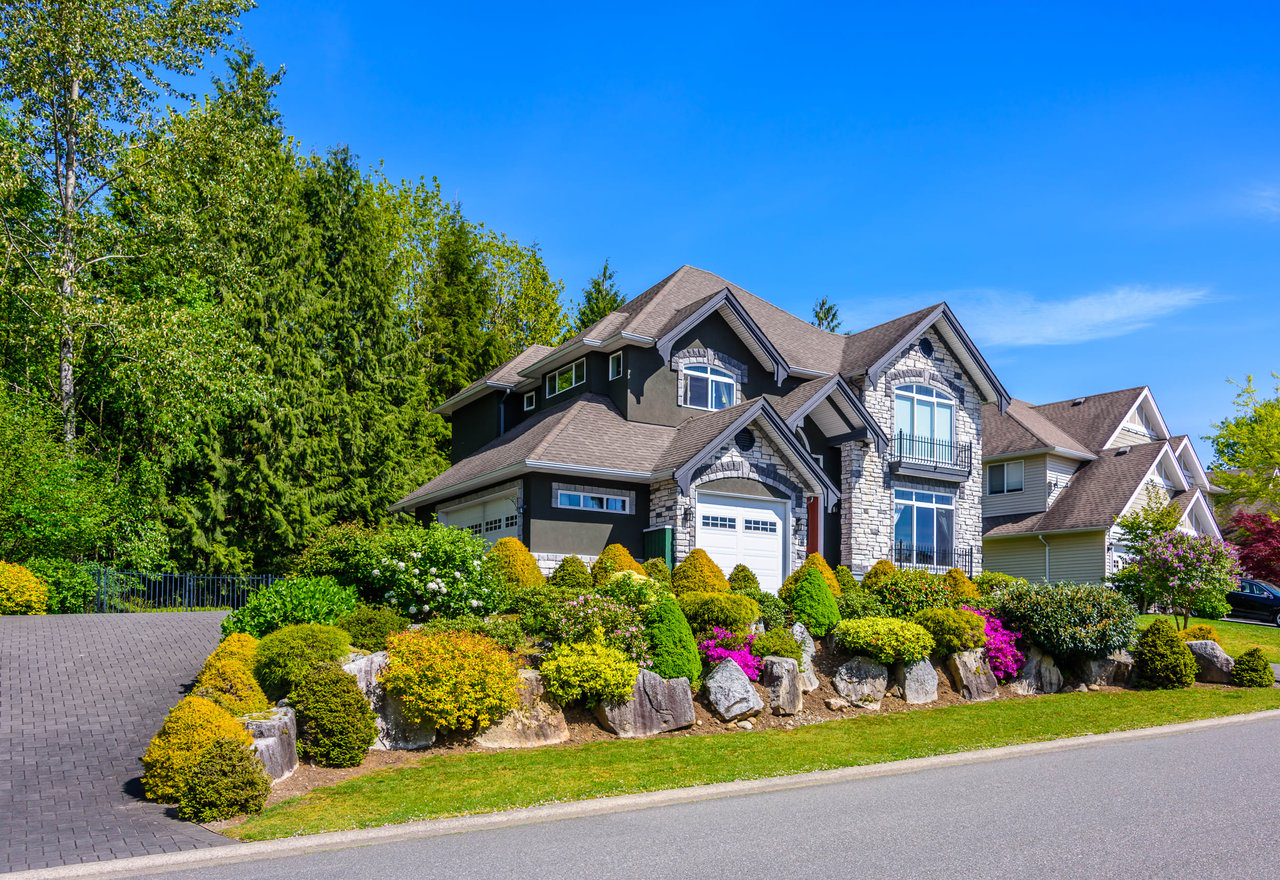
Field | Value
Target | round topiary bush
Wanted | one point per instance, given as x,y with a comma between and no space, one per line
884,639
857,602
672,647
698,573
813,605
1162,661
369,625
613,559
285,655
514,564
227,781
191,727
814,562
1070,621
878,573
229,682
451,680
291,601
1253,670
953,629
743,580
961,590
907,591
658,569
588,674
21,592
571,576
778,643
335,723
705,611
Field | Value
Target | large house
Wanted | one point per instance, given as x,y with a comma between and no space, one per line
699,415
1057,476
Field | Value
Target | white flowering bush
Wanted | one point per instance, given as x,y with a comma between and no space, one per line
442,574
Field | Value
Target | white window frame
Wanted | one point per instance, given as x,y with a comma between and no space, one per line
1004,466
615,366
530,400
920,499
908,441
565,499
575,369
713,375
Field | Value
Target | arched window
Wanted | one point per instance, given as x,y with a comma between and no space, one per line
923,422
707,387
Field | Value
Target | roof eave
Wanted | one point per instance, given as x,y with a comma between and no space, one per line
1042,450
467,395
764,350
838,385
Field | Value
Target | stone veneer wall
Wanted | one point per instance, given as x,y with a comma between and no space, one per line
549,562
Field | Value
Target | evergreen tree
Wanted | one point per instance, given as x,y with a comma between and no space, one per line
826,315
600,297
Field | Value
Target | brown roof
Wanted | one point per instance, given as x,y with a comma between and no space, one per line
862,350
509,372
1023,428
694,434
1092,419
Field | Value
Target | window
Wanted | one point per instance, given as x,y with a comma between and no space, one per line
615,365
567,377
707,387
923,527
1004,478
594,501
719,522
767,526
923,422
530,400
493,525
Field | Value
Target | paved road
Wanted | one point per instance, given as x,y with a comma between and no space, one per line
80,697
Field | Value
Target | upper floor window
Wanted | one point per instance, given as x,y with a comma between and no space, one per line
530,400
923,422
615,365
707,387
1004,478
567,377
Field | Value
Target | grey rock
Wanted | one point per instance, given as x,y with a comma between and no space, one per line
808,676
781,675
971,675
657,705
1038,675
862,681
745,725
1214,664
731,693
1082,688
916,683
1122,671
275,741
835,704
395,731
535,720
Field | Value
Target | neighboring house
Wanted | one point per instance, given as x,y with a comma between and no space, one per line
698,415
1057,476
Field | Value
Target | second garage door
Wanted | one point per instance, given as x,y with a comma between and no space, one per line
752,531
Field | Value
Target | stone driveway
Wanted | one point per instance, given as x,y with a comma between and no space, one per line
81,695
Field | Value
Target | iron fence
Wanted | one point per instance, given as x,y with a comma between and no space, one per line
931,452
132,591
934,559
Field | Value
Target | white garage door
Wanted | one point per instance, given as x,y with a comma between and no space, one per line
491,519
751,531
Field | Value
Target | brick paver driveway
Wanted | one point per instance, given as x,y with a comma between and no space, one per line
80,697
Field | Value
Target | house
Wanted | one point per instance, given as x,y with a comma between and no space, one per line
1057,476
699,415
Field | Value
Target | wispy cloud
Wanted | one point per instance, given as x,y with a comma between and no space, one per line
1263,200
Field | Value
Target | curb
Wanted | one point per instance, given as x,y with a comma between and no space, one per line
333,840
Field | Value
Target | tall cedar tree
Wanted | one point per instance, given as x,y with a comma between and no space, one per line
600,297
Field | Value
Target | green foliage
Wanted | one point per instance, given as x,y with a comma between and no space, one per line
72,588
189,729
241,648
439,571
826,315
514,565
1209,604
884,639
877,574
504,630
960,590
285,655
21,592
1252,670
1246,450
1163,661
228,681
588,674
451,680
335,723
613,559
369,625
227,781
815,562
1188,573
1200,632
857,602
671,644
743,580
538,607
1069,621
907,591
659,571
990,582
571,576
600,619
600,297
773,611
813,605
726,610
778,643
698,573
344,552
633,590
291,601
845,579
953,629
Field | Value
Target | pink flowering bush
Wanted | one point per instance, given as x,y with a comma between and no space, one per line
594,619
1190,574
726,645
1003,655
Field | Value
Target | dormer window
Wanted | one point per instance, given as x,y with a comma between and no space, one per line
567,377
707,387
530,400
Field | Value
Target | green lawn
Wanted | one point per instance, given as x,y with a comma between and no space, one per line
449,785
1236,638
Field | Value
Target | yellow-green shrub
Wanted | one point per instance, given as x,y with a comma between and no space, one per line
227,781
240,647
732,611
962,590
613,559
21,592
453,680
1199,632
588,674
230,683
880,572
190,728
515,565
884,639
816,562
698,573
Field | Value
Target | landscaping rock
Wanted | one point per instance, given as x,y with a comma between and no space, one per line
808,675
971,675
535,721
657,705
745,725
862,681
836,704
395,732
1028,680
1214,664
730,692
781,675
275,741
917,683
1122,672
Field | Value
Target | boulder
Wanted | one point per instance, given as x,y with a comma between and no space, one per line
1122,671
781,675
916,683
657,705
275,741
862,681
535,721
808,676
1214,664
395,732
1038,675
971,675
836,704
731,693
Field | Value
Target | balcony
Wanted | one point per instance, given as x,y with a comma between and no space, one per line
934,559
933,459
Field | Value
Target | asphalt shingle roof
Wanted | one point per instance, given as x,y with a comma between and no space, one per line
1094,419
1021,428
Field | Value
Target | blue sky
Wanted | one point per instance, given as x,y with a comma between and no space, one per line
1096,192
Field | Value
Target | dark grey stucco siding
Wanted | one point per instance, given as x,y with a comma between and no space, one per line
474,425
584,532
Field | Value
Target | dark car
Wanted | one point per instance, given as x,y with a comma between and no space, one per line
1256,599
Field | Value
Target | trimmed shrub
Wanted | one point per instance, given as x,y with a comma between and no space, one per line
288,602
369,625
229,682
857,602
659,571
778,643
1199,632
908,591
725,645
613,559
21,592
886,640
991,581
588,674
743,580
71,589
227,781
812,561
698,573
813,605
846,580
239,647
671,644
960,590
637,591
571,576
335,723
878,573
344,552
1253,670
504,630
952,629
1163,661
773,611
1069,621
453,680
512,562
730,611
599,620
536,607
287,654
190,728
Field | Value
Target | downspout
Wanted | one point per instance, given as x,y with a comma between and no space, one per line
502,412
1046,557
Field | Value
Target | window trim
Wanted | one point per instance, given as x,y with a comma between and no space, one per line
615,358
914,391
1022,484
553,378
530,400
712,374
605,498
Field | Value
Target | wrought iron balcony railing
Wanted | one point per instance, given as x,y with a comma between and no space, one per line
931,455
934,559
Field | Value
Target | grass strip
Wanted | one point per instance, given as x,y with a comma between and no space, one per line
460,784
1236,638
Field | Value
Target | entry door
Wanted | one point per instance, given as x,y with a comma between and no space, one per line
753,531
